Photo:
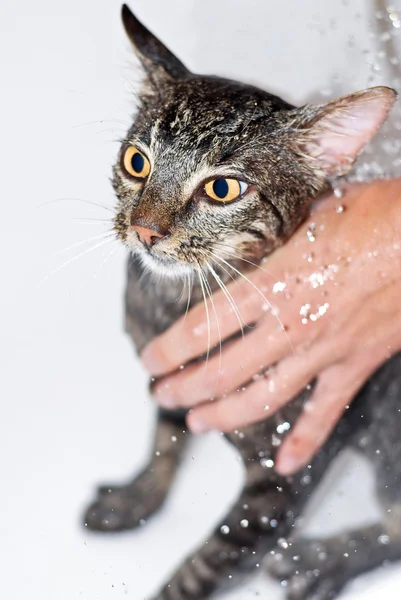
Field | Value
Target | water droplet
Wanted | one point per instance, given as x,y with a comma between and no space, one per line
363,441
395,18
324,274
267,462
283,543
225,529
283,427
338,192
276,441
279,286
305,310
273,523
244,523
266,407
173,438
340,209
383,539
323,309
311,233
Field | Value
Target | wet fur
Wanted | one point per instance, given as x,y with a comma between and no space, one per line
191,127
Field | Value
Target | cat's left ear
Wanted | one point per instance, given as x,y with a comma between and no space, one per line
157,60
334,134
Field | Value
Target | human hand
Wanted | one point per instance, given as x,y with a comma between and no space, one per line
335,287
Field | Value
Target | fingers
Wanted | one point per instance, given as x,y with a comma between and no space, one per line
260,399
188,338
335,390
227,372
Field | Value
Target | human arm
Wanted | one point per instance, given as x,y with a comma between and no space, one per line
339,306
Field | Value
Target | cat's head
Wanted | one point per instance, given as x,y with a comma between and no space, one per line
213,168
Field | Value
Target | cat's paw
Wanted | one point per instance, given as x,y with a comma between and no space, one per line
118,508
308,570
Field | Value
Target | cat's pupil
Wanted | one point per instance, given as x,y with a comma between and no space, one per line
137,162
220,188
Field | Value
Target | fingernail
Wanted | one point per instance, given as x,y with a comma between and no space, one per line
288,465
164,397
198,426
151,363
166,401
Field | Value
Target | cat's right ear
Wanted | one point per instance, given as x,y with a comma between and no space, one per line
157,60
333,135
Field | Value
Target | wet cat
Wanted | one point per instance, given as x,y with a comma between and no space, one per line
211,164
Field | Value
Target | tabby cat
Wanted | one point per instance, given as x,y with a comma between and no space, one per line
211,164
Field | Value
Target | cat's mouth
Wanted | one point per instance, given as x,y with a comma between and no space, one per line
163,264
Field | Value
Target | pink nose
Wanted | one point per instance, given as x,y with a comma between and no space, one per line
146,235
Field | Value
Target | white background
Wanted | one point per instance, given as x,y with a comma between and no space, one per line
74,408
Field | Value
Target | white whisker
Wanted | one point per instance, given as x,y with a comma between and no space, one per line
190,281
89,223
264,298
92,239
236,256
182,294
119,121
75,200
200,274
102,243
92,220
227,294
210,294
109,255
190,287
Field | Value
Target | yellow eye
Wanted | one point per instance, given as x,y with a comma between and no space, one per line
225,190
135,163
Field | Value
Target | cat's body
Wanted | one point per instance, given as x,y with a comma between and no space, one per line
269,504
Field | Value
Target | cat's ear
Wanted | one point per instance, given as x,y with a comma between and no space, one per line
334,134
157,60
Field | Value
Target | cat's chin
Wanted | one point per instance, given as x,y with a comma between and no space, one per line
165,267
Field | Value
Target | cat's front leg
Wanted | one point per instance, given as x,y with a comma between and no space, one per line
238,543
118,508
